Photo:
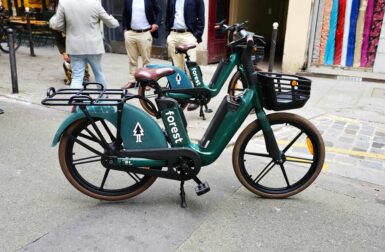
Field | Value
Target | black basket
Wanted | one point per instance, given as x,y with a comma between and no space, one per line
282,91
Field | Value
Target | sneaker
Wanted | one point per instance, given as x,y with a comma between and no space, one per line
192,107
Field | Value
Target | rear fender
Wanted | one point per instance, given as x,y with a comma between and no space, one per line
138,131
178,80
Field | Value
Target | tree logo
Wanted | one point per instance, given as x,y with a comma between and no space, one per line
178,79
138,132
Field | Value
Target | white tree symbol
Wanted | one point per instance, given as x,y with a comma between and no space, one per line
138,132
178,79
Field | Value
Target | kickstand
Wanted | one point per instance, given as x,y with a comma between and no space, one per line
202,114
183,203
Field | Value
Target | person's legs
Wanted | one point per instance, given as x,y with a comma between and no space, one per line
144,46
188,38
78,64
178,59
95,62
130,38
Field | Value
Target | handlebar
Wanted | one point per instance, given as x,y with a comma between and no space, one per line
250,38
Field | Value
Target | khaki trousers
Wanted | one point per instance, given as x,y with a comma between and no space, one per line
186,38
137,44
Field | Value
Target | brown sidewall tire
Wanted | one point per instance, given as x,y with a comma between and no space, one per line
233,82
75,183
252,127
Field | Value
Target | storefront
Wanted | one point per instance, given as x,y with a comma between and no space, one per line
346,36
41,9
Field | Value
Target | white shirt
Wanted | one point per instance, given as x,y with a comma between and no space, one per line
138,17
179,22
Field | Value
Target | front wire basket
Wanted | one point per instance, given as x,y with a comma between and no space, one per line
282,91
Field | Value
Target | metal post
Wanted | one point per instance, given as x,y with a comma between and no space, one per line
12,60
28,14
273,46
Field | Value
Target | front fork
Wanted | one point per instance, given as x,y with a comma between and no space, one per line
270,140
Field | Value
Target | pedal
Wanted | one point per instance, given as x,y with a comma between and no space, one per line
202,188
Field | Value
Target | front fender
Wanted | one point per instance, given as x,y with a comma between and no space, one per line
138,129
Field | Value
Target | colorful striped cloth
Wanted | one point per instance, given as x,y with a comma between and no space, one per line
325,29
340,32
317,38
375,31
330,44
348,11
360,33
352,33
365,38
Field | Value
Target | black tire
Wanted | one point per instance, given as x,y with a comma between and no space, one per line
4,40
84,170
303,163
148,92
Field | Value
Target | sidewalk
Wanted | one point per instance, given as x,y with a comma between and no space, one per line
349,114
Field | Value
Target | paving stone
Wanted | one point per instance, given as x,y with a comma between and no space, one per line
378,165
362,145
377,151
379,140
366,132
329,156
350,132
360,149
378,145
353,127
346,139
364,138
329,144
337,126
341,145
380,133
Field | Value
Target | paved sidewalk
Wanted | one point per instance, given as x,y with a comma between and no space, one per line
349,114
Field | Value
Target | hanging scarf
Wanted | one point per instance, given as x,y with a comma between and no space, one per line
359,33
340,32
325,28
378,17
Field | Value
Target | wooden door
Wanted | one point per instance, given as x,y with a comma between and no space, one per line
217,42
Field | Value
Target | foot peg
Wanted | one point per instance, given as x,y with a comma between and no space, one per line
202,188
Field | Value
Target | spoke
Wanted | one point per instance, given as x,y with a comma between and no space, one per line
87,162
292,142
264,172
104,178
93,139
84,145
112,137
134,177
285,175
257,154
299,160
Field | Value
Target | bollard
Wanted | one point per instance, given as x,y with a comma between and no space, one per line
28,14
273,46
12,61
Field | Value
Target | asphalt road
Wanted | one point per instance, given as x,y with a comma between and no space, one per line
40,211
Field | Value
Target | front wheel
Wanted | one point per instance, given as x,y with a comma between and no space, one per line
300,143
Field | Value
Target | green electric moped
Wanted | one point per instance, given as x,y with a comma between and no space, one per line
112,150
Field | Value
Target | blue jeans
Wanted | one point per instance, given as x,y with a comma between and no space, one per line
78,65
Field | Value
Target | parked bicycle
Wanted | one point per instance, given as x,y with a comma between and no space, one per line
4,25
111,150
195,91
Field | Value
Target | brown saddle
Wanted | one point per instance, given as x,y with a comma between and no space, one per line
153,74
184,48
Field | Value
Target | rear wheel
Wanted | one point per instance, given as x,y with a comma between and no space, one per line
297,139
148,92
4,46
80,153
236,85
